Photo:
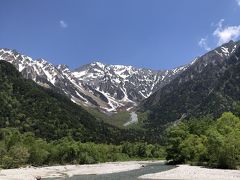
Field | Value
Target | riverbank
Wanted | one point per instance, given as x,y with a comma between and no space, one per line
195,172
30,173
130,170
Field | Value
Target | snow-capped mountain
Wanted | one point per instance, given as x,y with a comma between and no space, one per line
108,87
124,86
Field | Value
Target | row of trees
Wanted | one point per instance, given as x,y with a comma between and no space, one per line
18,149
206,141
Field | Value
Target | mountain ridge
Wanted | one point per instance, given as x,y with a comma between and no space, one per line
108,87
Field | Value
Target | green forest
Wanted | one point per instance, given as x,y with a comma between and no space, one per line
206,141
198,141
20,149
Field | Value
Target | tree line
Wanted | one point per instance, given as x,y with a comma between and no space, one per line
20,149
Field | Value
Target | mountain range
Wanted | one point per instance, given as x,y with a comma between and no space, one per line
110,88
207,85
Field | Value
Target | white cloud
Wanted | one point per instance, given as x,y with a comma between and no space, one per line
225,34
238,2
204,44
222,34
63,24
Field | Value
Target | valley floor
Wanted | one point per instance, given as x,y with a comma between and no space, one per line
180,172
30,173
195,172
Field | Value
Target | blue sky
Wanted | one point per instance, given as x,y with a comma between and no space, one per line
157,34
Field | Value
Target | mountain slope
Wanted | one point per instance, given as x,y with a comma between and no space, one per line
32,108
209,86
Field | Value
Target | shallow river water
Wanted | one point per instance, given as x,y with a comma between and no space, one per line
127,175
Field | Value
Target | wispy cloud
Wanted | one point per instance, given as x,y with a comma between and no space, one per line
238,2
204,44
63,24
225,34
221,35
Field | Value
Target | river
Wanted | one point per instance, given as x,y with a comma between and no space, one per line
128,175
